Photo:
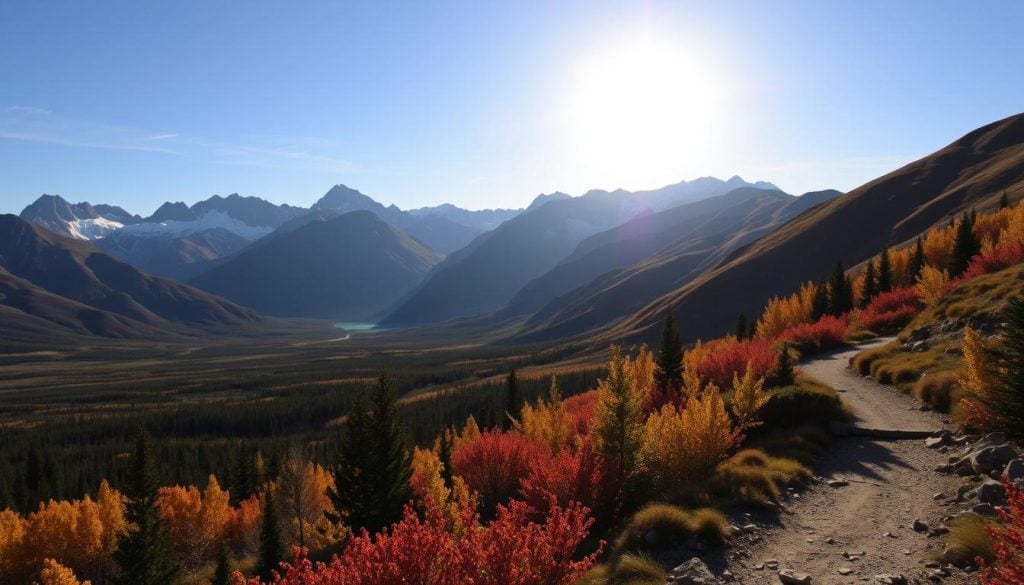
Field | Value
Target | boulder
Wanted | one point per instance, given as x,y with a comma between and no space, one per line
992,458
1015,470
920,526
693,572
992,492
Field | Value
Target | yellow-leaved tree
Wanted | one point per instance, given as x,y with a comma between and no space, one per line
547,421
748,397
976,382
54,573
931,284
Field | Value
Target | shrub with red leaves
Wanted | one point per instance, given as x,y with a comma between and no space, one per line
826,333
574,475
996,259
511,550
891,310
494,463
580,409
1008,541
728,356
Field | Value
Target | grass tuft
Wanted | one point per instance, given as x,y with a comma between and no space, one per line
967,540
938,390
663,526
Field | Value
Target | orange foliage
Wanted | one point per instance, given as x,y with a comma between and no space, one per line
54,573
195,521
785,312
547,422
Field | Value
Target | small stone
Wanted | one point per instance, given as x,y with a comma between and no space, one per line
727,576
749,528
939,496
890,535
992,492
830,540
758,566
791,577
838,483
693,572
920,526
932,565
845,571
771,565
1015,470
984,509
891,579
906,551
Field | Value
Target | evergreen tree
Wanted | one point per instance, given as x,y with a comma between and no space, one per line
618,420
820,303
1006,399
884,272
752,329
445,455
144,553
1004,201
916,264
222,575
371,483
741,326
668,362
840,291
514,398
271,542
965,246
34,480
870,286
784,374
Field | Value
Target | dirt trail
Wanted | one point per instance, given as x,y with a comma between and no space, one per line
890,484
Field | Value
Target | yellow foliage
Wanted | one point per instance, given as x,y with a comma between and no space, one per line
785,312
931,284
195,521
429,485
12,537
469,433
54,573
301,491
617,422
1013,232
548,422
938,245
747,397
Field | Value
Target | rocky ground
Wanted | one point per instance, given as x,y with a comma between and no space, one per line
878,509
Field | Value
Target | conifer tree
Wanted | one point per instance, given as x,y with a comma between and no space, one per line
514,400
916,264
271,542
870,286
784,374
144,553
1004,201
371,480
222,574
840,291
1006,398
618,419
741,327
445,455
668,362
884,272
820,303
965,246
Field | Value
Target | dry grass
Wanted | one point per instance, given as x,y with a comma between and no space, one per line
985,295
968,539
755,478
627,569
663,526
891,364
938,390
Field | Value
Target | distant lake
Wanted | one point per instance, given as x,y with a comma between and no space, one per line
355,327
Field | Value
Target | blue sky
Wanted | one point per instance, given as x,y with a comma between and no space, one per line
485,104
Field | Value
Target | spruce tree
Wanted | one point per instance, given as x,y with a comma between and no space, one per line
668,362
870,286
840,291
784,374
445,455
514,400
144,553
916,264
222,574
884,272
965,246
374,467
1006,399
271,542
741,326
820,302
1004,201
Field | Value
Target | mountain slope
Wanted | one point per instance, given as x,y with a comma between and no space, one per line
350,267
974,171
74,286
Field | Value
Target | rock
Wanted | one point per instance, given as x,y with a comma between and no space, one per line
962,491
989,459
945,468
845,571
891,580
963,468
758,566
1015,470
791,577
938,496
932,565
693,572
727,576
992,492
984,509
771,565
989,440
920,526
838,483
938,531
936,442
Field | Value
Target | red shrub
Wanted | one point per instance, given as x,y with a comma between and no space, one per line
727,356
1009,542
891,310
495,463
574,475
581,408
510,550
998,258
826,333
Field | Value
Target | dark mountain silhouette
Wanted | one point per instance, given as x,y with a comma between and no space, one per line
348,267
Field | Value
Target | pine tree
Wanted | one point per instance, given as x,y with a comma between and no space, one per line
514,398
371,482
1004,201
668,362
618,419
144,553
741,326
916,264
820,303
840,291
884,272
1006,398
870,286
271,542
445,455
965,246
222,575
784,374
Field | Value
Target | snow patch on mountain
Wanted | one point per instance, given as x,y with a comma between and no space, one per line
92,229
207,221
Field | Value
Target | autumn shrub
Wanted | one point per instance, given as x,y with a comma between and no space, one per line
54,573
995,259
662,526
863,361
939,390
572,475
800,444
968,540
510,550
753,477
890,311
826,333
722,359
494,463
894,374
1007,568
806,402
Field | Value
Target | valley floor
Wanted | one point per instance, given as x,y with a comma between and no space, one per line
890,484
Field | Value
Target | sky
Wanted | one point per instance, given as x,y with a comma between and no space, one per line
485,104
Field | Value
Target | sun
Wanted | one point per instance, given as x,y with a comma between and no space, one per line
640,113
